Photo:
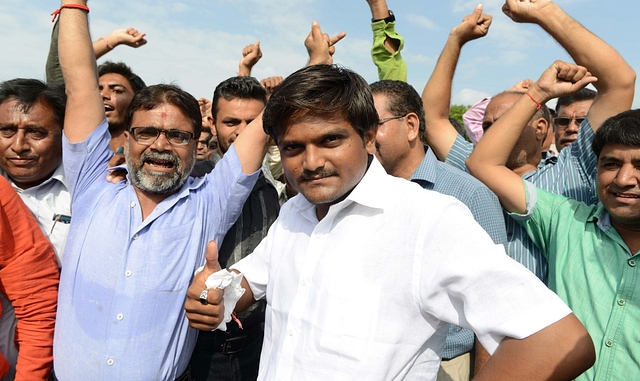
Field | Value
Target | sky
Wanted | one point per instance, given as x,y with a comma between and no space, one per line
198,43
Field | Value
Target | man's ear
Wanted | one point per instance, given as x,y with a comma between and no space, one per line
370,140
542,127
413,127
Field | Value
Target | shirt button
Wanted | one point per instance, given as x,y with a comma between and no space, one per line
110,362
127,273
632,262
133,204
622,302
135,236
290,332
609,343
120,317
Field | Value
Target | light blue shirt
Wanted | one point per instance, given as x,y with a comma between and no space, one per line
486,210
122,290
571,174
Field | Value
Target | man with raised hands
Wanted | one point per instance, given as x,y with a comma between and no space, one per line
592,250
133,247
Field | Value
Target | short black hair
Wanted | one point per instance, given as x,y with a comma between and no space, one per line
583,94
623,128
402,99
238,88
27,92
328,91
121,68
153,96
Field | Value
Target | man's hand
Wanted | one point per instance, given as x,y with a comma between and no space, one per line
560,79
270,84
205,316
130,37
522,86
320,46
473,26
251,54
117,175
525,11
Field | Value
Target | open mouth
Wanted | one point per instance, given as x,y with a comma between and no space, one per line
159,163
629,196
108,108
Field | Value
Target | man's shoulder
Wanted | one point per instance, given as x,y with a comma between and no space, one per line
458,183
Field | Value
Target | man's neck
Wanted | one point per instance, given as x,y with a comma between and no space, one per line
117,138
629,234
406,167
148,201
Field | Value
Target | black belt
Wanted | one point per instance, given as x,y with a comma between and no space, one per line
228,343
186,376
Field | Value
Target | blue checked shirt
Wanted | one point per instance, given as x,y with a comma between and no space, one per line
124,279
571,174
485,207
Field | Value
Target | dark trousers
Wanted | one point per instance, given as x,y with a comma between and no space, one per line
221,356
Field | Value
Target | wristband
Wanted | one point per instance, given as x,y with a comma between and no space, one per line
71,6
106,42
386,20
538,105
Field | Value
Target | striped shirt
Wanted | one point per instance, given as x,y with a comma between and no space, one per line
572,174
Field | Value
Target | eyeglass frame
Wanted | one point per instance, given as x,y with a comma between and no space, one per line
385,120
161,131
569,122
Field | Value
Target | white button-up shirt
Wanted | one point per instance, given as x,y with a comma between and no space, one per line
45,201
370,288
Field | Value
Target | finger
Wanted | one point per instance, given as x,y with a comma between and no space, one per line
212,257
256,45
477,13
334,40
485,20
316,31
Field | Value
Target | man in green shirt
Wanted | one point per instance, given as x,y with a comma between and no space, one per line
593,251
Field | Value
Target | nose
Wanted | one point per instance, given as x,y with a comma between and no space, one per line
240,128
628,176
19,143
313,159
104,93
573,126
161,144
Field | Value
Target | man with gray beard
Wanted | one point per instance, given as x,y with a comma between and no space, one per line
133,247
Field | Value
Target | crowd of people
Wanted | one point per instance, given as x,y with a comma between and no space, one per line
377,239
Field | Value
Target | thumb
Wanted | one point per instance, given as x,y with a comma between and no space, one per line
477,12
257,44
211,256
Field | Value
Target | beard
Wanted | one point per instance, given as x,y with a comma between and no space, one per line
159,182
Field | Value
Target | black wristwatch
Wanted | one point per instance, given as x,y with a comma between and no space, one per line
387,20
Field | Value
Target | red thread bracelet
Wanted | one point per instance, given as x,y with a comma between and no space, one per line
107,43
72,6
538,105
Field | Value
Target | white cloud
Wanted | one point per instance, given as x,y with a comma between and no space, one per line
468,96
421,21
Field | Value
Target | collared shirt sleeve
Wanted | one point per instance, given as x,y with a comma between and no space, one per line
460,151
582,153
29,273
472,119
390,65
85,163
478,287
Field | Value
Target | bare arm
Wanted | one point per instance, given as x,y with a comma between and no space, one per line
251,146
616,79
85,110
436,96
488,159
251,54
379,11
561,351
130,37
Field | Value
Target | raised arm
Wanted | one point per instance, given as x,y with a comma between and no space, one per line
387,43
251,54
616,79
85,110
437,93
320,46
130,37
488,159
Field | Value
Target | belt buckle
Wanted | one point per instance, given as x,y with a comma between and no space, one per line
229,346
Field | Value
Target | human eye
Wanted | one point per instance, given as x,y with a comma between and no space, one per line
332,140
178,137
37,133
8,132
290,149
145,133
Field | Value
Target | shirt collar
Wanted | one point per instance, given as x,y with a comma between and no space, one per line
367,192
58,175
428,168
601,217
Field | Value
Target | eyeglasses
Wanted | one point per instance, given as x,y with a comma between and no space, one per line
564,122
384,120
147,135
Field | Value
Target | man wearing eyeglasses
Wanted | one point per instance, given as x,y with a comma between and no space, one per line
571,111
133,247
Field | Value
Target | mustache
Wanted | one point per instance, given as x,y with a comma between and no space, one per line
175,160
310,175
